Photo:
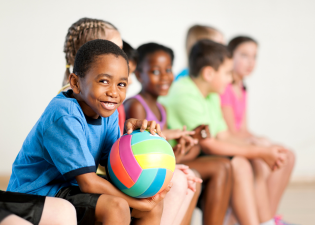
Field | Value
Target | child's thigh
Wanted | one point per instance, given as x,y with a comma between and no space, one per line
14,220
58,211
209,166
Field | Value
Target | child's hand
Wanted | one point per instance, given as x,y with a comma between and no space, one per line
184,144
191,179
275,157
152,126
147,204
202,132
177,133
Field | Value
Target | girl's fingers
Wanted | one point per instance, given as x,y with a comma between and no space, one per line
152,126
194,179
182,167
159,131
144,125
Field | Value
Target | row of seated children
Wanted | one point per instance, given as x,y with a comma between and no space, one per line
154,70
194,100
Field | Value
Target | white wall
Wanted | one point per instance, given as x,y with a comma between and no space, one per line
281,90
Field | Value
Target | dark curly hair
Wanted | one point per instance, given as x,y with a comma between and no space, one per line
131,53
150,48
90,51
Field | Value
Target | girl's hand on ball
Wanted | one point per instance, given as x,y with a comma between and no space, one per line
152,126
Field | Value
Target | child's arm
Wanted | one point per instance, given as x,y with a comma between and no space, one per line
91,183
273,156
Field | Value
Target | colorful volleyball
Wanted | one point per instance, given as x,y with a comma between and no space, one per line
141,164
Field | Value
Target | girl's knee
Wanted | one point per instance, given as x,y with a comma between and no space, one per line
241,166
261,169
224,167
179,182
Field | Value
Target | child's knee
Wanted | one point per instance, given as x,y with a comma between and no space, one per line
179,183
67,209
224,168
57,206
261,169
119,204
241,167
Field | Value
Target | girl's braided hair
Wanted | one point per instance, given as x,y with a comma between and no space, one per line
82,31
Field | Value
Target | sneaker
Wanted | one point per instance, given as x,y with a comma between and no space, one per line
279,221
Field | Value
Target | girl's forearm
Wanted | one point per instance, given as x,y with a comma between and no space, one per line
217,147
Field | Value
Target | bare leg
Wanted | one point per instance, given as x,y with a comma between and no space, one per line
152,217
176,201
278,181
262,173
58,211
112,210
192,202
243,195
14,220
216,173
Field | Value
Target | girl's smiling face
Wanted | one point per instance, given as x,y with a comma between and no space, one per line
244,58
103,87
156,74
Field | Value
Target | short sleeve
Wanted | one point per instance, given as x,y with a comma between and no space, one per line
112,134
226,97
66,145
184,110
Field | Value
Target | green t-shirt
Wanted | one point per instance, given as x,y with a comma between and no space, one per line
185,105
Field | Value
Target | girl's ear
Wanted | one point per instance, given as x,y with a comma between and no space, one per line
207,73
74,83
137,73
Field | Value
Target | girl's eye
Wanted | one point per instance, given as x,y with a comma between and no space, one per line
168,70
156,72
122,84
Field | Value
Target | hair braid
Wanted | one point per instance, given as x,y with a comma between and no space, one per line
82,31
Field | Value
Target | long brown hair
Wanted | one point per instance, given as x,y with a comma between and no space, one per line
82,31
237,41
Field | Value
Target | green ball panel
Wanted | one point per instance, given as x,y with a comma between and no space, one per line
143,183
152,146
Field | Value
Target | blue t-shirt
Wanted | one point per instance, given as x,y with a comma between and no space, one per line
183,73
64,143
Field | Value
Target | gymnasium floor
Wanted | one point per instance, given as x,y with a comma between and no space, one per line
297,206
